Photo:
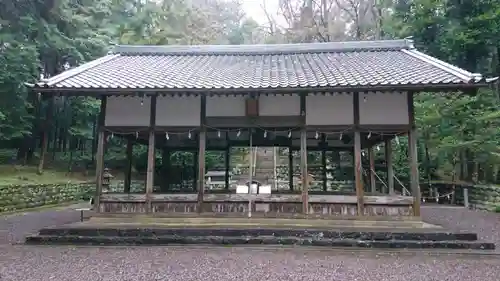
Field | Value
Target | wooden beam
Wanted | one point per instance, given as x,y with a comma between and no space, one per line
437,88
100,154
373,182
390,168
151,155
128,172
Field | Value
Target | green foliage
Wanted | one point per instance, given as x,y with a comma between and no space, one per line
40,38
459,136
497,209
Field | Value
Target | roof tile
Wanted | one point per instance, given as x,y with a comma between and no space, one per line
227,67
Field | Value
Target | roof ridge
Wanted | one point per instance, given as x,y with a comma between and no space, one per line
265,49
454,70
75,71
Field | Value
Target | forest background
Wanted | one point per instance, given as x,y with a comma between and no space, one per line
459,134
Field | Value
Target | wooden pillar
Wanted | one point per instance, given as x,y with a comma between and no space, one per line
303,156
358,173
413,157
165,168
201,169
390,168
373,182
303,169
414,176
290,167
323,164
358,166
195,170
201,156
128,173
151,155
227,160
100,155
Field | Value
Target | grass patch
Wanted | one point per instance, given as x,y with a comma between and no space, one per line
15,174
496,209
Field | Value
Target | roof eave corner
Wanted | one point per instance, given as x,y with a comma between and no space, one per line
30,85
37,86
491,80
410,43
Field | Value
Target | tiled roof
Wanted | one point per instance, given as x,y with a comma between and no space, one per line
338,65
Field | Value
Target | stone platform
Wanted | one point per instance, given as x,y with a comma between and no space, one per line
142,230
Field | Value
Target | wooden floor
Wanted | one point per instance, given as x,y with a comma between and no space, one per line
145,221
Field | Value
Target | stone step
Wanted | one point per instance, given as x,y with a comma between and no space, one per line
340,233
260,240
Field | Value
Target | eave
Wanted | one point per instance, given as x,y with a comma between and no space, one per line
262,91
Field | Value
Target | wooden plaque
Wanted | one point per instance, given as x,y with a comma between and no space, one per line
252,107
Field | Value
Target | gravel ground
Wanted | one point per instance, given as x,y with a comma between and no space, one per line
13,228
485,224
40,263
221,264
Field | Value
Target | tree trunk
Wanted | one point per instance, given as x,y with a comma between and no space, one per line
46,132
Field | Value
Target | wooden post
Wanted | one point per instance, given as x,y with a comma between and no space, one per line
413,157
151,155
165,160
414,177
358,173
303,169
275,171
201,170
373,182
100,155
323,164
290,167
201,156
227,161
150,171
195,170
390,168
250,172
128,173
303,156
466,197
358,166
